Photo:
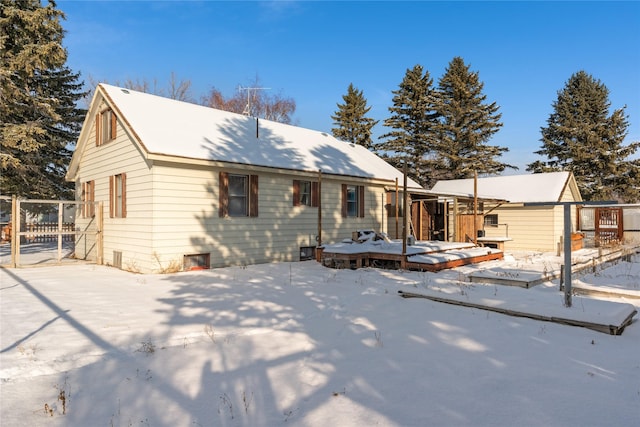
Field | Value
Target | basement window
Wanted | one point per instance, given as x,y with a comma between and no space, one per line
307,253
117,259
196,262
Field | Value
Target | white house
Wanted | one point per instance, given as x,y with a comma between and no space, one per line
511,223
185,186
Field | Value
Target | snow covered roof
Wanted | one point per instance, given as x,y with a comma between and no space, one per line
539,187
169,127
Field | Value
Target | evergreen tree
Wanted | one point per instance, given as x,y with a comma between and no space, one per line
466,125
581,137
39,120
352,125
412,120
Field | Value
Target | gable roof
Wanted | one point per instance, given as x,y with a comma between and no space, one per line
164,126
539,187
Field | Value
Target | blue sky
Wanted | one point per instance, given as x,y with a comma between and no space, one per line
310,51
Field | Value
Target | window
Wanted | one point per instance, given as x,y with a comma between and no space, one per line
352,201
196,262
307,253
88,199
238,195
491,219
105,127
118,196
305,193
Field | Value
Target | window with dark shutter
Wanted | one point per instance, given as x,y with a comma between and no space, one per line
305,193
296,192
88,199
352,201
118,196
238,195
106,127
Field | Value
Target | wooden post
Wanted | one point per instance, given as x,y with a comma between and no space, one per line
397,209
475,208
15,226
319,243
455,219
382,200
404,218
446,220
99,234
60,219
567,255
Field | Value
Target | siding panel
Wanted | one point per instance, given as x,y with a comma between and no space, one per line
192,225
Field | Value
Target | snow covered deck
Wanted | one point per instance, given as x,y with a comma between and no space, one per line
422,255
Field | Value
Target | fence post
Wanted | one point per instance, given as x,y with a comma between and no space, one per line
60,219
99,235
15,225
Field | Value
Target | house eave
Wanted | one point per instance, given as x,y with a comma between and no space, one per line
159,158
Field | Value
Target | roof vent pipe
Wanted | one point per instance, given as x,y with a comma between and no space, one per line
257,128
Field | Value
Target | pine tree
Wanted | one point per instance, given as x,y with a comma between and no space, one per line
351,122
412,119
39,120
581,137
466,125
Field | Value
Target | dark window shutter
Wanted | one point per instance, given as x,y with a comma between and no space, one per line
113,125
361,201
344,200
124,195
111,196
296,192
253,195
315,200
83,198
98,129
223,195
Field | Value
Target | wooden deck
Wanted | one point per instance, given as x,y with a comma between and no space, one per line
423,256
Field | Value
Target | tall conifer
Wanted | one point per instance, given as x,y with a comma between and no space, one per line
39,120
350,120
582,137
412,119
466,124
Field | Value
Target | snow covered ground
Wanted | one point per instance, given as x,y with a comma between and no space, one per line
303,345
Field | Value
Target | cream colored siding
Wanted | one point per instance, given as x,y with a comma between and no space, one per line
130,235
186,221
538,228
530,228
172,207
558,212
